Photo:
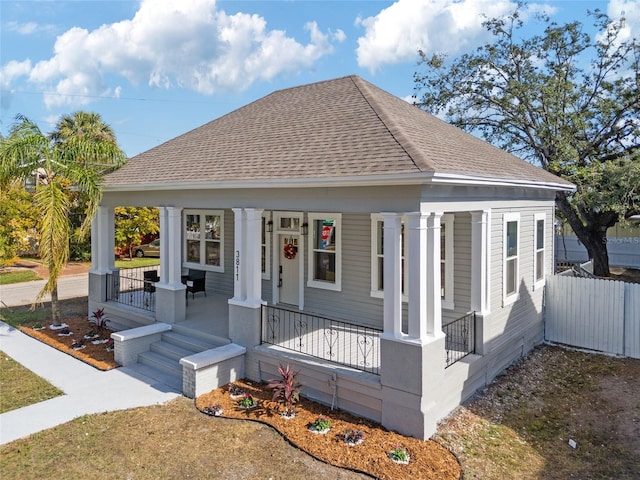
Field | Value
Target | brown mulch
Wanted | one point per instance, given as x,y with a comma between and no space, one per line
95,355
429,460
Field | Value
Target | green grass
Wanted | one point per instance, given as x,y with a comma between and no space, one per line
18,276
138,262
20,387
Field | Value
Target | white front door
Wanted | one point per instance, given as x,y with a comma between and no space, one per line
289,269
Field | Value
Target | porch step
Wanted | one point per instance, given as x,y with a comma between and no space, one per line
160,362
170,350
187,342
175,383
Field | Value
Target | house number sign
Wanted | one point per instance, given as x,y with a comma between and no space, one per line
237,264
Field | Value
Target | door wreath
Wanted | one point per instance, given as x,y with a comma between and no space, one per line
290,251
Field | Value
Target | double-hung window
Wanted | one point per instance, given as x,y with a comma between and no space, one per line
446,259
511,249
204,239
538,250
325,251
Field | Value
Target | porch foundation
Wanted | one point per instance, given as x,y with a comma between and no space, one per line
410,374
97,292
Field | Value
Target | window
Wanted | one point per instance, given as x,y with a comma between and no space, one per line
265,246
538,250
325,251
446,259
203,238
511,260
377,257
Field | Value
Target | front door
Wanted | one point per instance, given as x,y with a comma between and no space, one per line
289,269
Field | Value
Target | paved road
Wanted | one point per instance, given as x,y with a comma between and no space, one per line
25,293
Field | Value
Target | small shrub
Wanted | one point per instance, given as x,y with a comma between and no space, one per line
99,319
353,437
399,454
285,389
247,401
321,423
235,390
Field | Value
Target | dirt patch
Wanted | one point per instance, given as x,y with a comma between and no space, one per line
93,354
428,460
558,414
631,275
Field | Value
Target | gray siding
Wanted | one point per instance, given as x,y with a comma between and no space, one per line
461,268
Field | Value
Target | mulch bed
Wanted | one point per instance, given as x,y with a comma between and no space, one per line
429,460
95,355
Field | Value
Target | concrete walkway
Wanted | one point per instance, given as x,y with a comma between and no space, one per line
87,389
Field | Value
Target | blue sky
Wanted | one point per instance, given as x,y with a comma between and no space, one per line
154,69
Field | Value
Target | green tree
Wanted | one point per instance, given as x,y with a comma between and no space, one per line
18,221
563,100
63,165
132,223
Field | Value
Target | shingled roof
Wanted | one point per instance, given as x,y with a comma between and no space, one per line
322,132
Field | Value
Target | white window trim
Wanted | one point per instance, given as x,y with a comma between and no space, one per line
511,298
266,275
536,218
447,301
202,265
311,282
375,291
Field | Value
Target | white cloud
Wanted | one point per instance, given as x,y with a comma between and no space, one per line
436,26
172,43
629,10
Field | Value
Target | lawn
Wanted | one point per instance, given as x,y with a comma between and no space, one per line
519,427
17,276
20,387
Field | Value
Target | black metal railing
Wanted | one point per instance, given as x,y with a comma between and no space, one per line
460,338
355,346
129,287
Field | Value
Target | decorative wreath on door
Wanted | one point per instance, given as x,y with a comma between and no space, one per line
290,251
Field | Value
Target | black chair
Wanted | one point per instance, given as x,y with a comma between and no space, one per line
196,282
150,278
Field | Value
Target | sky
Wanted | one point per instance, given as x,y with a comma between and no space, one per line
155,69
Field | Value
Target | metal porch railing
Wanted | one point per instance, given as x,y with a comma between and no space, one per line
129,287
460,338
348,344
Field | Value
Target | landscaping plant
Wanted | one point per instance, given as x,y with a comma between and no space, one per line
286,389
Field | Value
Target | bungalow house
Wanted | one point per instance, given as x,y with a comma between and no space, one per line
395,260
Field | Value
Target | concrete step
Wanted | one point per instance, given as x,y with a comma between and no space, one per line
187,342
171,381
162,363
170,350
207,337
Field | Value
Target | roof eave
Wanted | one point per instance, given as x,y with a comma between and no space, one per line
344,181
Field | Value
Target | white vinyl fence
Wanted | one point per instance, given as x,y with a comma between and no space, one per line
595,314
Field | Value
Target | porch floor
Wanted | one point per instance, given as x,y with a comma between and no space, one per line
209,315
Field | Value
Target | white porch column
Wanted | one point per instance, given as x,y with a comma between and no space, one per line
433,293
392,243
416,264
253,255
171,247
239,282
479,262
102,241
164,244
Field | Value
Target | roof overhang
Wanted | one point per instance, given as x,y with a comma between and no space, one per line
344,181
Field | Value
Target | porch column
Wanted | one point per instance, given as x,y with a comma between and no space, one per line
480,275
433,291
239,284
479,262
392,263
170,296
102,255
253,256
417,274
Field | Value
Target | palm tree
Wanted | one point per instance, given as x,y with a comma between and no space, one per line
65,162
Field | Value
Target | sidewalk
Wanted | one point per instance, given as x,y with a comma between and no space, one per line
87,390
70,286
